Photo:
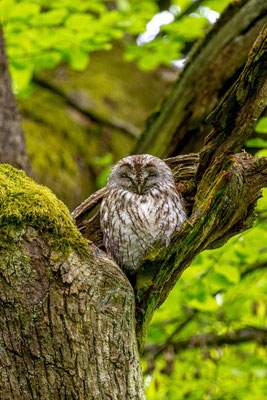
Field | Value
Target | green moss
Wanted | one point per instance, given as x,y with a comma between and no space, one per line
26,204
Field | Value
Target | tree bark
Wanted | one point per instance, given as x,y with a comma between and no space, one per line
216,61
12,141
67,312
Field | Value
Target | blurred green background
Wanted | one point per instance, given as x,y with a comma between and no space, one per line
87,75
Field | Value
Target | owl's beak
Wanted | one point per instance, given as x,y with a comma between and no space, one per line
139,188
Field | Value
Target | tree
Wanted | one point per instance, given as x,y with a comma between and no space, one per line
67,311
12,140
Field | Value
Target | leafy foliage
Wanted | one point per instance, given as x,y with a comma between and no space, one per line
40,34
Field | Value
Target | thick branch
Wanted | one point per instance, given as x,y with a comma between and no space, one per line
253,268
193,7
214,65
12,141
225,199
235,118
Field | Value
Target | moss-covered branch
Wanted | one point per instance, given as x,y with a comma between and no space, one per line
67,320
228,186
111,122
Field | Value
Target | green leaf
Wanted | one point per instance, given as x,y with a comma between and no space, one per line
79,59
230,272
5,7
50,18
218,281
21,74
209,304
256,142
21,11
80,22
261,126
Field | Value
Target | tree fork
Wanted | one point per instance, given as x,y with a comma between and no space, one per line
222,187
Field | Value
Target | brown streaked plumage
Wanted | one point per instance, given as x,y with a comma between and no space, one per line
142,205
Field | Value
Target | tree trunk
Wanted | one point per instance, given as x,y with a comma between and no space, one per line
12,141
67,312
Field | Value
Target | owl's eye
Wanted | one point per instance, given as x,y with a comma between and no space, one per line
124,175
151,171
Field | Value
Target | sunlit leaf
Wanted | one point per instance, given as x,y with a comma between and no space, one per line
78,59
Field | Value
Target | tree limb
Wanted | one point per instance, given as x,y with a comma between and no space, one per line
252,268
180,125
227,190
189,10
211,340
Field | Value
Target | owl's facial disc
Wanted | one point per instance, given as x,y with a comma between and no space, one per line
140,174
149,178
138,179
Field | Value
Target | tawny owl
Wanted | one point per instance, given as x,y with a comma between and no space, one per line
141,206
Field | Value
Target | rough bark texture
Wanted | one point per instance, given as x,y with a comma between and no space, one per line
67,312
180,125
12,141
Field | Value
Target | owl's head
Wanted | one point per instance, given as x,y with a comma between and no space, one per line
139,174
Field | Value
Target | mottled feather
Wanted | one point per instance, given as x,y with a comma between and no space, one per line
142,205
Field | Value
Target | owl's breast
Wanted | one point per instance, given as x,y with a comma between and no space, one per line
132,223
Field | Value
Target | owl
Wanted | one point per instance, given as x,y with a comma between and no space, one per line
141,206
